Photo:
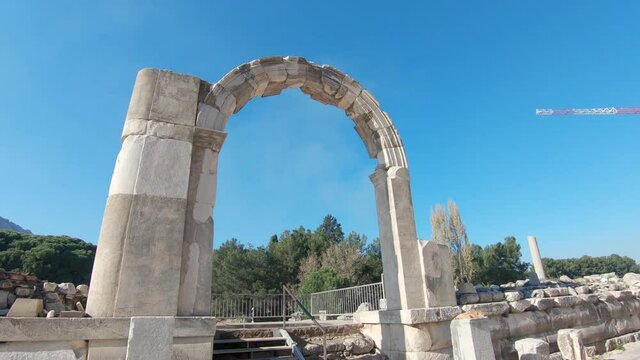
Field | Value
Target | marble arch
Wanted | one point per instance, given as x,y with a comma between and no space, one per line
155,243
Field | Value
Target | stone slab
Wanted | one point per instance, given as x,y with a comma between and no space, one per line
408,317
49,350
438,275
63,329
25,308
150,338
471,340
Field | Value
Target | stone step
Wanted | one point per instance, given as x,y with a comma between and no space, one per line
249,340
251,350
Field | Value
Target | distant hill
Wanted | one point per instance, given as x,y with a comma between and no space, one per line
6,224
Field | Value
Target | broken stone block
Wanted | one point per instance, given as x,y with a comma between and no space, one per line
543,304
566,279
532,349
358,345
23,291
67,288
513,295
465,299
466,288
25,308
4,297
582,290
310,349
520,305
538,293
11,298
6,285
497,295
71,314
570,344
485,296
49,286
471,340
83,289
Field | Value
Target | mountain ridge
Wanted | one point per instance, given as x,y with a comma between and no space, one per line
6,224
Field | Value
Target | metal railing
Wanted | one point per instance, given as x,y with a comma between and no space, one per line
272,307
346,300
251,307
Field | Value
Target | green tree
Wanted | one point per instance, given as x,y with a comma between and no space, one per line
346,259
587,265
288,252
501,262
328,233
241,269
373,263
322,280
55,258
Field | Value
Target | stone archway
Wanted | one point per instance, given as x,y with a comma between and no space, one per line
154,251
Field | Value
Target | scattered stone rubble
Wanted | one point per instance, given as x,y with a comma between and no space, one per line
601,308
523,294
354,346
24,295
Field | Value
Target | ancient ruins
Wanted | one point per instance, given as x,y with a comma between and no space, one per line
150,289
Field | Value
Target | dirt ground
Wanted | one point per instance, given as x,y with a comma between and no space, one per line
631,352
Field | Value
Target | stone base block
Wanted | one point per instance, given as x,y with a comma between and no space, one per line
50,350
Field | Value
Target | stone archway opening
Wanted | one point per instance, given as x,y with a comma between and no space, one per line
154,251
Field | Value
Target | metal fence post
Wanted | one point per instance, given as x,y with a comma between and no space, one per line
284,308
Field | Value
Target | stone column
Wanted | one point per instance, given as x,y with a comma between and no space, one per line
138,261
195,277
471,340
535,257
570,344
403,278
532,349
437,273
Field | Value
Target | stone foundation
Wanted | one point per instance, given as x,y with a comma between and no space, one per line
425,333
96,338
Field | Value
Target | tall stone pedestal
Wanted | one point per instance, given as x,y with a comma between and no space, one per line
416,334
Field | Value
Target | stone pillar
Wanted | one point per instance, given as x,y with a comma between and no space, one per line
403,280
195,277
532,349
535,257
435,260
471,340
570,344
139,257
150,338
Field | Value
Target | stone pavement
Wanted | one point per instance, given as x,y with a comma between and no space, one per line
631,352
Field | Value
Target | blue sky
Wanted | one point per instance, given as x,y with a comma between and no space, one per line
460,79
